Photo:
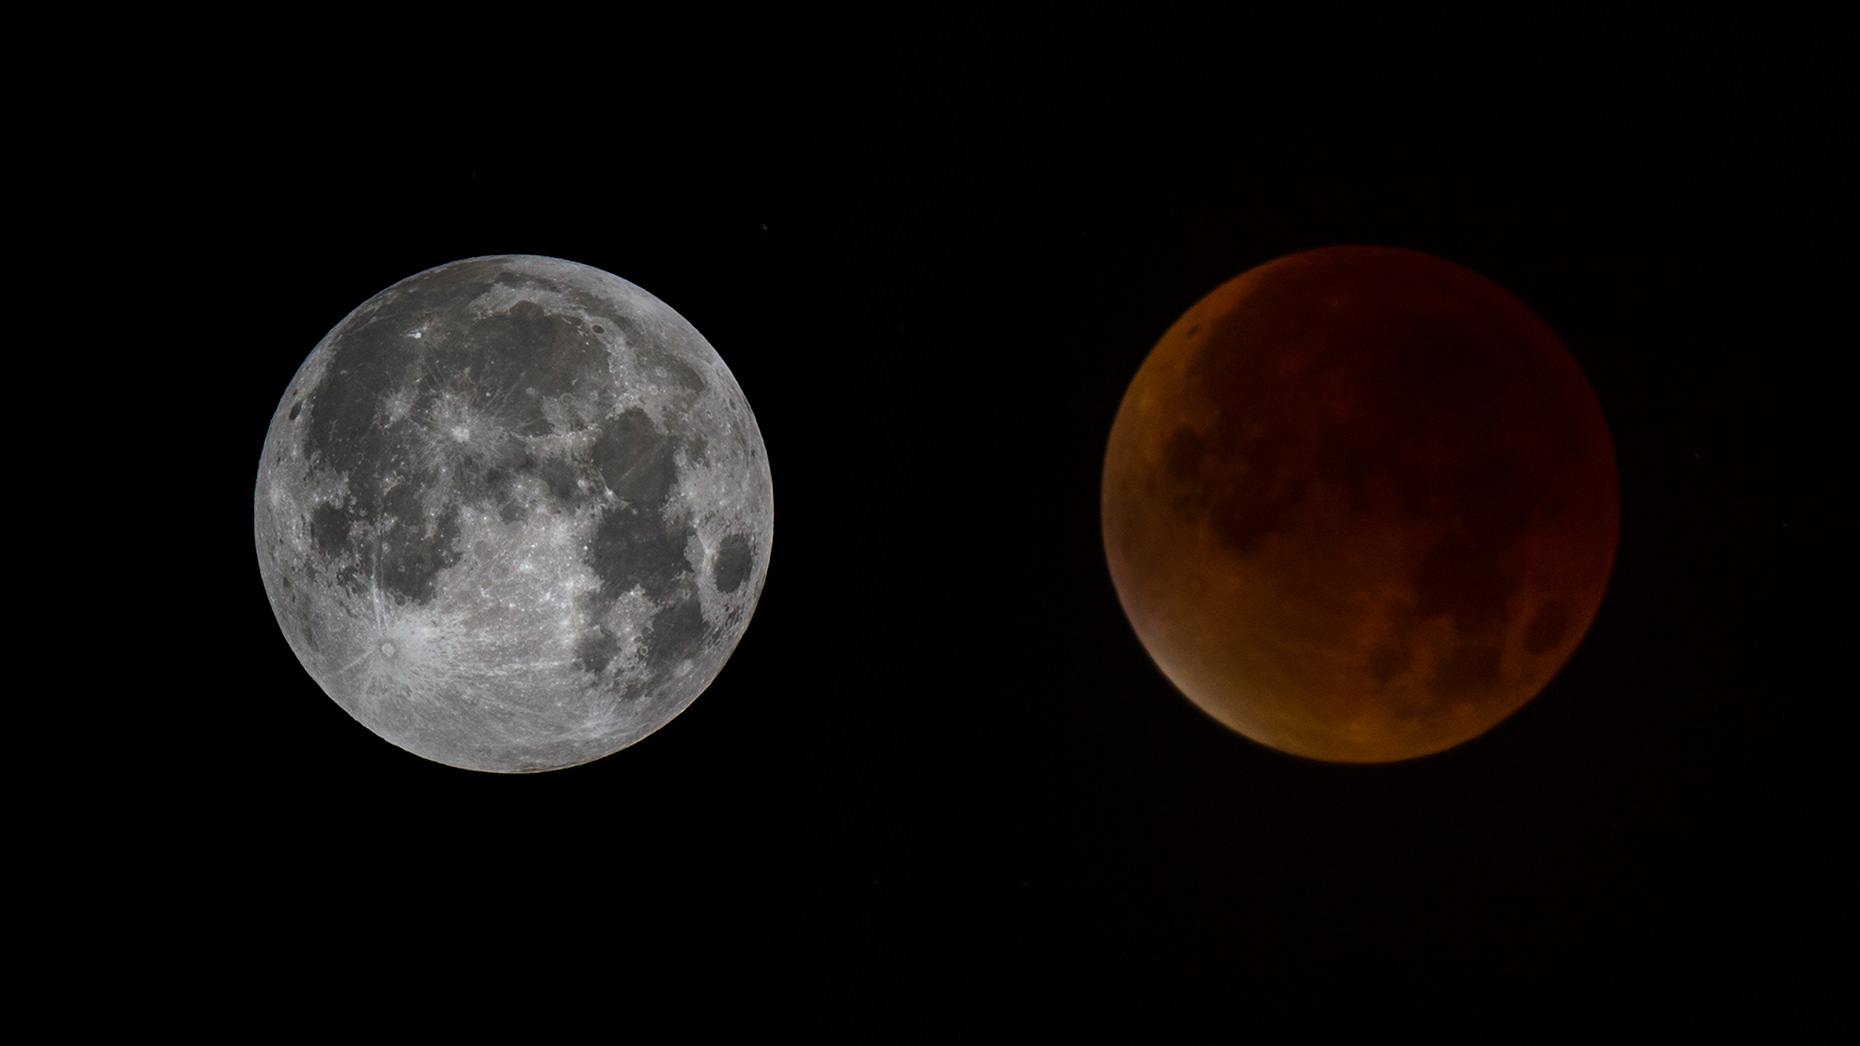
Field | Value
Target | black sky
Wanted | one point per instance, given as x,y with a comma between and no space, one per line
940,777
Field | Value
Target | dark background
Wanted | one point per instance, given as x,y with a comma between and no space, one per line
940,778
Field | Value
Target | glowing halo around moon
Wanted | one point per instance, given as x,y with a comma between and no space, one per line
1360,504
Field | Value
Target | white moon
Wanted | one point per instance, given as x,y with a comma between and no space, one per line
513,513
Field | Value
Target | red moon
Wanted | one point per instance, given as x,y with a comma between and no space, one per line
1360,504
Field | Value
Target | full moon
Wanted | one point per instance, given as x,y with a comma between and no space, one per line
1360,504
513,514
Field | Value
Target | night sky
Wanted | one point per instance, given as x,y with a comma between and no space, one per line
940,780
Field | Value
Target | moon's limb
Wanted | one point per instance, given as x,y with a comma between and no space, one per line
513,513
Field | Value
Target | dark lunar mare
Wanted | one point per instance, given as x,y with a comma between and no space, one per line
350,434
637,544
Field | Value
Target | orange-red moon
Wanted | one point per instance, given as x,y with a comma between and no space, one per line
1360,504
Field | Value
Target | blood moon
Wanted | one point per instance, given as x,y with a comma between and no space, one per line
1360,504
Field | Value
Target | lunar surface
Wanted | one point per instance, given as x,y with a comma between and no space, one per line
1360,504
513,514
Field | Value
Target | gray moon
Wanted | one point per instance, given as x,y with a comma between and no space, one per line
513,514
